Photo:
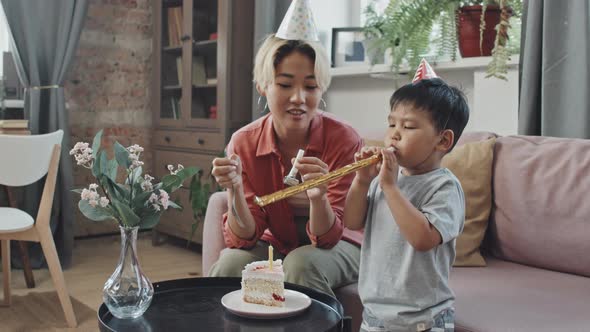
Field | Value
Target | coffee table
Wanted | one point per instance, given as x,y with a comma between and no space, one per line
195,305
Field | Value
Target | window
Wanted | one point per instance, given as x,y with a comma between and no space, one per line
4,39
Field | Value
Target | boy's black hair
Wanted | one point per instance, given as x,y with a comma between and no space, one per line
446,105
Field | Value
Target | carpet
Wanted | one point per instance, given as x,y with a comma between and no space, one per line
41,311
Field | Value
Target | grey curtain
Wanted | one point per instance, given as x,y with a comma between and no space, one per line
554,75
45,36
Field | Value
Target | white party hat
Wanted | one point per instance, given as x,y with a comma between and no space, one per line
424,71
298,23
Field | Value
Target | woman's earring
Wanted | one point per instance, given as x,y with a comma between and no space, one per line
325,106
263,110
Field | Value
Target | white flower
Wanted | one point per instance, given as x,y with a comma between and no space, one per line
172,171
164,199
104,201
135,149
153,198
147,185
134,152
161,200
86,194
91,195
83,154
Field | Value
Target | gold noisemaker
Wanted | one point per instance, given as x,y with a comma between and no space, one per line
288,192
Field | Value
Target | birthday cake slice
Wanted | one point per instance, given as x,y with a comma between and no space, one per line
263,284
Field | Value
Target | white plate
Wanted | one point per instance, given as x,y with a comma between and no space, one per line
295,302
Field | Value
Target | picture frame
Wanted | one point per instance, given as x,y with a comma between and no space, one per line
348,46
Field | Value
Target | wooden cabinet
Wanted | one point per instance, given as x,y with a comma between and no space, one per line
202,88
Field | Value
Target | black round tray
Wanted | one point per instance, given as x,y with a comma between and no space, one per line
195,305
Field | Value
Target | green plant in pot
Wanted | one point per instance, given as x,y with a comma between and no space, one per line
408,30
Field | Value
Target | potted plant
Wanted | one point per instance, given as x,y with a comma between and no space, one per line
407,29
134,201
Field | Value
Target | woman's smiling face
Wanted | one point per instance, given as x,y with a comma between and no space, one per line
294,95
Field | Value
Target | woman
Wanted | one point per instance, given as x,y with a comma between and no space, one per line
306,230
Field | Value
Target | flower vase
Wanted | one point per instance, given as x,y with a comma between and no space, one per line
128,292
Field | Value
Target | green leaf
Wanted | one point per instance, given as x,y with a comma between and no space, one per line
111,169
97,213
150,221
122,155
79,191
128,217
116,191
96,166
187,172
104,163
140,199
172,204
136,174
96,144
171,182
198,196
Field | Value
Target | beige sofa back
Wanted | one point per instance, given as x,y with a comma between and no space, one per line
541,203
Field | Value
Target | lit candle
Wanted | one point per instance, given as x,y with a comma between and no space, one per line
270,257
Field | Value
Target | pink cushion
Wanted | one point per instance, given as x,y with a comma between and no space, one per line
349,298
541,213
506,296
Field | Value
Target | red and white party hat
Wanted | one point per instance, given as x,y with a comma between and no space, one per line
424,71
298,23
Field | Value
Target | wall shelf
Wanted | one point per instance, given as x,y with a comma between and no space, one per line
384,71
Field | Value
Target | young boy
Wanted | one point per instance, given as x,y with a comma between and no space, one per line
411,219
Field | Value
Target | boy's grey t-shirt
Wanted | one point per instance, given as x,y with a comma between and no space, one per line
398,285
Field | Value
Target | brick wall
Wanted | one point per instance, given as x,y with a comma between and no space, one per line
108,85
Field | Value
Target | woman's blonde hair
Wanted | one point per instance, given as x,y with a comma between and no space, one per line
275,49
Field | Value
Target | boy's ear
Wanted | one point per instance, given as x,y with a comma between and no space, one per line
446,141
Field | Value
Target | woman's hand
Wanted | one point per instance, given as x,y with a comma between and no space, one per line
311,168
228,172
389,169
366,174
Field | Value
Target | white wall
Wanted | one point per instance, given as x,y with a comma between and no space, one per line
363,101
330,14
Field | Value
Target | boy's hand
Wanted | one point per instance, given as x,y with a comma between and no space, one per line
389,168
311,168
366,174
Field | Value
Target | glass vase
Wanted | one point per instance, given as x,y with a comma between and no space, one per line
128,292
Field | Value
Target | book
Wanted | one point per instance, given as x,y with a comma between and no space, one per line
179,70
14,124
199,74
173,37
174,26
4,131
175,108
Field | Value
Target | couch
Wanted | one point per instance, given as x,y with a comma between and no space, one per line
536,240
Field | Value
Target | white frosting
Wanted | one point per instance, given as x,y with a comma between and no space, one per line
260,270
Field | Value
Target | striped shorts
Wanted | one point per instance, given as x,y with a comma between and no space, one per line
442,322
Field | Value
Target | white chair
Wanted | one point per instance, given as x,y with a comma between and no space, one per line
25,160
